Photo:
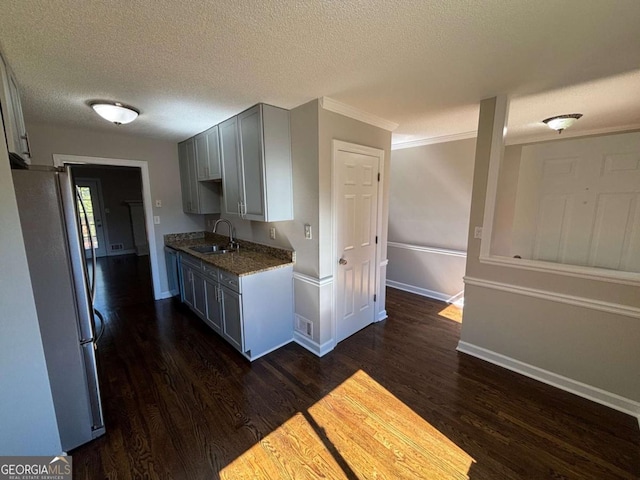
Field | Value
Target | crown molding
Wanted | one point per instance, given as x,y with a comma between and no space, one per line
551,136
335,106
433,140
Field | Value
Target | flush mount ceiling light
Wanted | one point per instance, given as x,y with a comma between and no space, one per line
561,122
115,112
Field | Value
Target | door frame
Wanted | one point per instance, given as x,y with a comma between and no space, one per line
105,227
62,160
337,146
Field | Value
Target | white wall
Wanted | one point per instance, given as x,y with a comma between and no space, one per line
28,423
430,198
161,156
581,334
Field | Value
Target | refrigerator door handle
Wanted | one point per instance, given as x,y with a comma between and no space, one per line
89,354
92,283
76,253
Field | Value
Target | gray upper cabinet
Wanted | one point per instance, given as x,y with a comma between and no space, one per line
15,131
208,155
230,166
256,162
197,197
185,181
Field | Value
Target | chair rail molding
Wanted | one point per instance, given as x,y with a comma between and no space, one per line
424,249
583,302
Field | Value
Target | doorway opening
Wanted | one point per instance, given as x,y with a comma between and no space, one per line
139,271
112,220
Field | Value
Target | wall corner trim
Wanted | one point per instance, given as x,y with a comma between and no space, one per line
608,399
433,140
335,106
316,282
607,307
313,347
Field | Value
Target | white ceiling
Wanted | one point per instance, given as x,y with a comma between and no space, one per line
423,64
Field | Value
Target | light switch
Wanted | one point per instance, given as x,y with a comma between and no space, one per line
158,203
477,232
307,231
272,233
156,219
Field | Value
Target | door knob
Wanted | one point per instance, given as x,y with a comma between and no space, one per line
342,261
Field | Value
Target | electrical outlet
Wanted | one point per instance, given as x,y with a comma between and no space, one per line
272,233
477,232
159,203
156,219
307,231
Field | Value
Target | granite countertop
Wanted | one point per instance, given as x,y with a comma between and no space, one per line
250,258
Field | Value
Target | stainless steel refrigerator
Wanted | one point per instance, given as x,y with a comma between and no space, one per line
49,218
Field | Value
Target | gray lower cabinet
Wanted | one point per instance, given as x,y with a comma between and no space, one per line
214,305
254,313
232,319
193,288
199,294
186,285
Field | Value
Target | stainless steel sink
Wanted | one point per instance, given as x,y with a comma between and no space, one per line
210,249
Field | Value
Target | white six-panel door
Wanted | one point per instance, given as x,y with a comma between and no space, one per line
579,202
356,213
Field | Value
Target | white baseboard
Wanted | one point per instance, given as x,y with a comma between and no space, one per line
589,392
117,253
382,315
166,294
419,291
267,352
313,347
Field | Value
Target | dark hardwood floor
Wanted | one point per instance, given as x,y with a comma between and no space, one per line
393,401
122,280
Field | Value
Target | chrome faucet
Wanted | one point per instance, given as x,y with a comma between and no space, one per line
232,232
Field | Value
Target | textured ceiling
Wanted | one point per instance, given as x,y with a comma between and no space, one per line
422,64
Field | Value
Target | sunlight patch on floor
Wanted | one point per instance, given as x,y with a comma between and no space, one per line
452,312
358,430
